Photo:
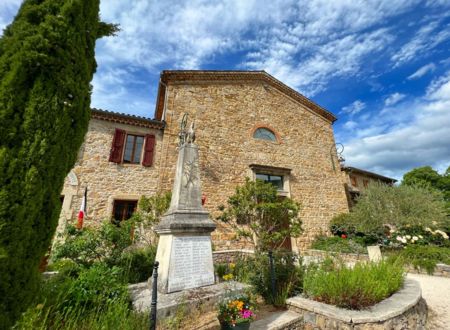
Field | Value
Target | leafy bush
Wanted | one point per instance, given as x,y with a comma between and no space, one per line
287,273
338,244
355,288
97,286
255,211
90,245
381,205
341,225
138,263
425,257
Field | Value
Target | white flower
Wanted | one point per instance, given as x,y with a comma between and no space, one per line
408,237
440,232
428,229
399,238
415,238
420,236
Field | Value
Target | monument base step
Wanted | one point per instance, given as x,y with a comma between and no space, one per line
168,304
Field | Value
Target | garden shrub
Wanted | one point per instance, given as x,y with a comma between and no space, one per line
91,245
338,244
138,263
341,225
257,214
425,257
288,274
381,205
354,288
97,286
46,65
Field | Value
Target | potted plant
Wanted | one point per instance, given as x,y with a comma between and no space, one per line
236,313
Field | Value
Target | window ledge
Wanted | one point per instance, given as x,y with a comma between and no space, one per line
283,193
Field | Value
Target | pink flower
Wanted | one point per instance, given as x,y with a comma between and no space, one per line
344,236
246,314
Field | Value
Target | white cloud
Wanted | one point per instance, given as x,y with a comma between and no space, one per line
430,67
407,143
394,99
350,125
354,108
426,38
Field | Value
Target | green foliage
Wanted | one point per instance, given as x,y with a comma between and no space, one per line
91,245
256,211
152,208
109,244
425,257
46,65
381,205
56,305
288,274
340,225
354,288
426,176
138,263
338,244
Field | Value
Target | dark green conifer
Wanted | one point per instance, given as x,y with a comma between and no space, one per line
46,65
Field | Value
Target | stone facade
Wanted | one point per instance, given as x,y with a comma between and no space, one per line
227,108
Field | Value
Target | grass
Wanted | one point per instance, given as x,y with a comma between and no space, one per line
425,257
353,288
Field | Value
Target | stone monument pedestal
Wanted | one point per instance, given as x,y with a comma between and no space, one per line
184,249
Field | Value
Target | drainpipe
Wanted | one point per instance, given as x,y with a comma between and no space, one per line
166,94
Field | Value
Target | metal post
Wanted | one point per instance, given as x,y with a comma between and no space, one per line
154,296
272,275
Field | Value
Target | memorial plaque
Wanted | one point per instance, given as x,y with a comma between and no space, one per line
190,263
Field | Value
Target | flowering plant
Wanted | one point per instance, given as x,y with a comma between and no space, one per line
236,310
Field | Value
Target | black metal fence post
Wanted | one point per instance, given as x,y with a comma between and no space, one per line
272,275
154,296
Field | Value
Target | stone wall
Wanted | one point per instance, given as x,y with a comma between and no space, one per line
225,115
403,310
107,181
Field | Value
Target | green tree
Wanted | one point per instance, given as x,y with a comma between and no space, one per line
257,213
400,206
46,65
427,176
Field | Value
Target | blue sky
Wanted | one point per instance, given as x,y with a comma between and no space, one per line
382,67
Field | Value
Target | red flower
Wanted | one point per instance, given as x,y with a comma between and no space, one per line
344,236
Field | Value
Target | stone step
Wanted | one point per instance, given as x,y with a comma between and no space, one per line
279,320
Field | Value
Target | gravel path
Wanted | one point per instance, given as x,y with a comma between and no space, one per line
436,292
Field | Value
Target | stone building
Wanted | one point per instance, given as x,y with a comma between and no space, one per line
248,124
356,180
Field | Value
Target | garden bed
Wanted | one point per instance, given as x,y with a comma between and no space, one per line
405,309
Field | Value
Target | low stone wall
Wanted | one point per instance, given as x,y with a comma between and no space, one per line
227,256
403,310
346,257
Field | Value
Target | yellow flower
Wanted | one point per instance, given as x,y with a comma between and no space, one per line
227,277
232,265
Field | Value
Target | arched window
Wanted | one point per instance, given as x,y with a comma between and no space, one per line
264,134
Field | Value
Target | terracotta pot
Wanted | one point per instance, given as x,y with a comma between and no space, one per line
240,326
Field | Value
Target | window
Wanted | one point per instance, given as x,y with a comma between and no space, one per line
264,134
275,180
366,183
354,182
133,149
123,209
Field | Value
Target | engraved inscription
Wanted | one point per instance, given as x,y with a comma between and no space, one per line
191,263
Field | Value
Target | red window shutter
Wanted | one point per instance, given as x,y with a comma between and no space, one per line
149,150
115,154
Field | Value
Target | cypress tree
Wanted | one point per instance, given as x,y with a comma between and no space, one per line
46,65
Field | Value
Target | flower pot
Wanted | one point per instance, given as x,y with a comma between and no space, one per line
240,326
